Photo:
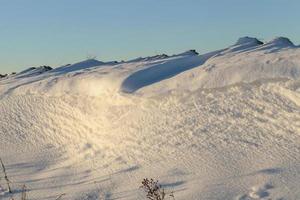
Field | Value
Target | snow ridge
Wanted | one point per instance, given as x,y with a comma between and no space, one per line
247,40
221,125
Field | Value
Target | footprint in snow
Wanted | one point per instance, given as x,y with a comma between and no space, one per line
259,193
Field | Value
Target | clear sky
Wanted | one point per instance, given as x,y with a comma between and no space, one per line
56,32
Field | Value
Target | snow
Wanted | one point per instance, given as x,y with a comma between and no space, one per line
161,71
78,66
281,41
247,40
223,125
32,71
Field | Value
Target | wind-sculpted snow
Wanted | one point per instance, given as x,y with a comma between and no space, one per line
222,125
229,68
159,72
246,61
79,66
248,40
224,143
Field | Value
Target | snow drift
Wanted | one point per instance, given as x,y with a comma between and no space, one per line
222,125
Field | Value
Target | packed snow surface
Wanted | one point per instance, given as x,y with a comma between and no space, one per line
222,125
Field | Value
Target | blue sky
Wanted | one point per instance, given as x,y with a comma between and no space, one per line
56,32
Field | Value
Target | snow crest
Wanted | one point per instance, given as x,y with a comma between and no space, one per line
221,125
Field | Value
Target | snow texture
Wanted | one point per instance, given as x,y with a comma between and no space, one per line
223,125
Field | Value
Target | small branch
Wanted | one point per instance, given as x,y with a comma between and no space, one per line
60,196
5,176
154,190
24,192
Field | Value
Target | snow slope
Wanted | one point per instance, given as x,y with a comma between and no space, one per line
223,125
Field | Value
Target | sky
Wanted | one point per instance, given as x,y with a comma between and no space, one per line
58,32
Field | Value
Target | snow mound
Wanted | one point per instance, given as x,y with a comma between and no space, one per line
243,44
236,140
33,71
247,60
149,58
281,42
79,66
164,56
221,125
277,44
191,52
160,71
247,40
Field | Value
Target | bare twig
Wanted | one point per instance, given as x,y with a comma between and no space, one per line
23,197
172,195
5,176
153,189
60,196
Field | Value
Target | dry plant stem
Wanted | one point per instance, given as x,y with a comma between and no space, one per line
5,176
153,189
60,196
23,193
